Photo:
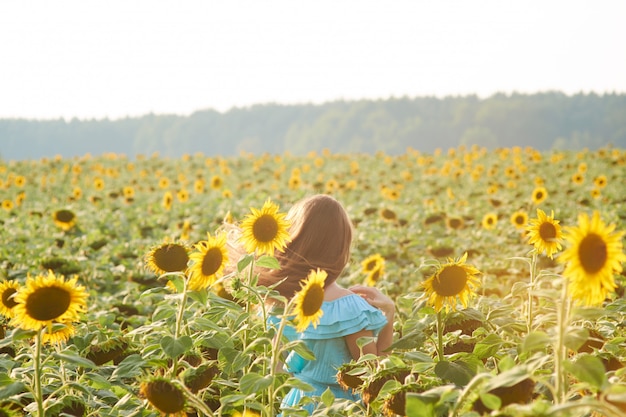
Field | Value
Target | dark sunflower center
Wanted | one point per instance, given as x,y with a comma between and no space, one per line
313,300
212,261
375,275
490,220
171,258
165,396
538,195
450,281
7,300
48,303
370,265
265,228
455,223
592,253
519,220
65,216
547,231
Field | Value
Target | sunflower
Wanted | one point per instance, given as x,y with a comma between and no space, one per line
64,219
45,300
265,230
182,195
600,181
545,233
308,301
208,260
164,395
455,223
595,193
7,205
489,221
578,178
216,182
294,182
451,280
373,277
168,200
198,186
594,255
128,191
519,219
372,262
201,377
539,195
20,181
164,183
388,214
168,257
98,184
77,193
8,289
58,333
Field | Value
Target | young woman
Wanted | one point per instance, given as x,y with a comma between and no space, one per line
321,236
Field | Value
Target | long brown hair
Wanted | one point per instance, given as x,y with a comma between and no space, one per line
321,235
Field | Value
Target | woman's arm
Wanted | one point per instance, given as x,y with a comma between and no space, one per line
385,337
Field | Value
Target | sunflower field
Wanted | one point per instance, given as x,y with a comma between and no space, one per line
506,268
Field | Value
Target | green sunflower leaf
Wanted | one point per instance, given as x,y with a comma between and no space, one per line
589,369
252,382
267,261
420,405
74,359
176,347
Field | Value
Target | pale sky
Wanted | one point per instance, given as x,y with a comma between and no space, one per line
117,58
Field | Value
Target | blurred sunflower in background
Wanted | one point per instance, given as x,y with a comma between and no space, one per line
167,257
168,200
308,301
8,290
594,254
64,219
453,280
519,219
455,222
208,261
545,234
48,299
163,395
373,266
539,195
600,181
489,221
265,230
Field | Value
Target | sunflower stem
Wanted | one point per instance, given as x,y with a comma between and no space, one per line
439,336
37,370
560,378
531,287
276,356
179,319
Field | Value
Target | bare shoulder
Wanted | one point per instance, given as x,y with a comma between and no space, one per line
334,291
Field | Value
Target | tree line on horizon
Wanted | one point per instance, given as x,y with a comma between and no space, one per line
550,120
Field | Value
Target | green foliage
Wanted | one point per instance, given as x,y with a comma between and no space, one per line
156,329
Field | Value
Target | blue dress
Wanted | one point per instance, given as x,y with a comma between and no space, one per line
343,316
